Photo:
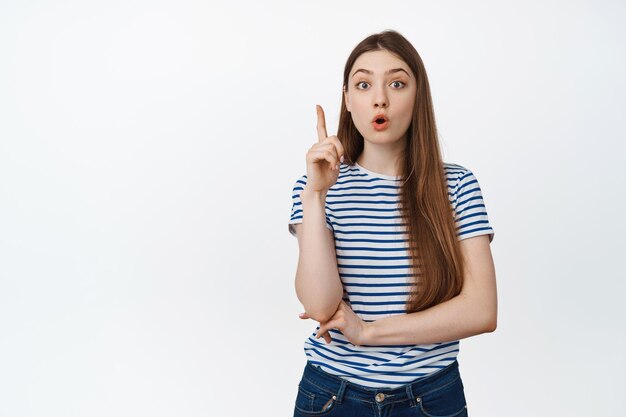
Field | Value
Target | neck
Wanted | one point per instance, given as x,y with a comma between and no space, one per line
382,158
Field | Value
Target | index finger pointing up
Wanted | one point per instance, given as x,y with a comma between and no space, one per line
321,124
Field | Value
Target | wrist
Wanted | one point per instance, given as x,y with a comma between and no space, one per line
312,194
369,333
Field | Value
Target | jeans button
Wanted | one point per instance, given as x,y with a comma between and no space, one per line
380,397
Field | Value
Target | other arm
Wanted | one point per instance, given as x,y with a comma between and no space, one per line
472,312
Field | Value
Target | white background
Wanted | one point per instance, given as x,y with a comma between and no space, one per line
147,155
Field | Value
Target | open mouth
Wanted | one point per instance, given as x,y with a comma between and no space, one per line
379,118
380,122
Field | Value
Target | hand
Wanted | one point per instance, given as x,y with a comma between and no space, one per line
344,320
323,158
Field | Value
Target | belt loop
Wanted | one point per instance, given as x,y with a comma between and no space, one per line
342,389
409,393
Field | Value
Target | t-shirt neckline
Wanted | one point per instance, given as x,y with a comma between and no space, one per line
376,174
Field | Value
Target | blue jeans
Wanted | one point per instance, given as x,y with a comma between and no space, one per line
439,394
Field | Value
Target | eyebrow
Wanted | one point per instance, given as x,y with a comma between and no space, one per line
391,71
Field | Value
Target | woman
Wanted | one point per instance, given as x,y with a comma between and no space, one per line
376,197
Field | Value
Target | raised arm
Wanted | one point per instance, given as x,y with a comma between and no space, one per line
318,285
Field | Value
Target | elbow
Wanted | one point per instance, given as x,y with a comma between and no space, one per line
491,324
483,319
321,316
322,313
321,307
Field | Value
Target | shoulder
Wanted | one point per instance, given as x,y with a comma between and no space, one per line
301,179
300,182
462,183
455,173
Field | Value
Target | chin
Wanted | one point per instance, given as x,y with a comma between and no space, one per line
382,137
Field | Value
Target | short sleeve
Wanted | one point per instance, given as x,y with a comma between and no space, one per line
296,206
470,211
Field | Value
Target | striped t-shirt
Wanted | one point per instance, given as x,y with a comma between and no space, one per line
362,211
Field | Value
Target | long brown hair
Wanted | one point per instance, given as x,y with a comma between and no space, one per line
423,195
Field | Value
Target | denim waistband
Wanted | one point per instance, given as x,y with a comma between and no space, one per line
340,387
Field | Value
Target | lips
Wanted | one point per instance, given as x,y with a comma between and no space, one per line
379,116
380,122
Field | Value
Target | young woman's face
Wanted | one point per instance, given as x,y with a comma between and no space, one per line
381,83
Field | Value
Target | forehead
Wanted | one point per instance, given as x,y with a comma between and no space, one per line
378,62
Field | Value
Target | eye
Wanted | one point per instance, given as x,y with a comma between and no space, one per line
357,85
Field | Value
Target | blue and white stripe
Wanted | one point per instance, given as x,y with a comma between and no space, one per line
372,257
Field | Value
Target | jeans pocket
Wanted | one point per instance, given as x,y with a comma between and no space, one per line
313,400
445,401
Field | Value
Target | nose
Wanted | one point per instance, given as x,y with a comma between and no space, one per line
380,98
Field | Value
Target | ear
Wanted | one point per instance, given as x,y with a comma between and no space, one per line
347,99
